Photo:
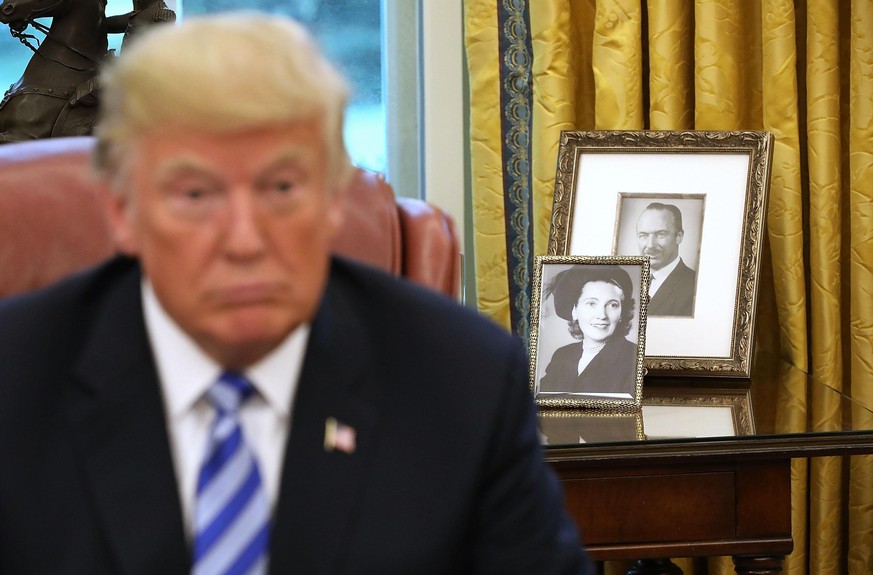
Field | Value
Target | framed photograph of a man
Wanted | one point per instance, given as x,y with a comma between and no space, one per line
588,331
694,204
667,229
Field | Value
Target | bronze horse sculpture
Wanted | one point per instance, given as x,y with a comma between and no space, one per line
58,95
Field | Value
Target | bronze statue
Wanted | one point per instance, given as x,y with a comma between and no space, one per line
145,13
58,95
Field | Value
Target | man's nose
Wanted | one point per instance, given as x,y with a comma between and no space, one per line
245,234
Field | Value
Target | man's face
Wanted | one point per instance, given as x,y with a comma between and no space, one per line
233,231
657,237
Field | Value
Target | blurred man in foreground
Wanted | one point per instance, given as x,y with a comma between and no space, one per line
229,398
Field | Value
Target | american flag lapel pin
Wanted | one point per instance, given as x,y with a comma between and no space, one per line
338,436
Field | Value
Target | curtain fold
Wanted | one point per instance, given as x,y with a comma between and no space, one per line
786,233
785,213
483,65
801,69
860,167
617,63
671,65
719,65
559,53
823,134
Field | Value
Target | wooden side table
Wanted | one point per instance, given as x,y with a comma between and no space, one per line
649,500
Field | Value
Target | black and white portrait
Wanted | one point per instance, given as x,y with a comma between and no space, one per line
588,331
666,228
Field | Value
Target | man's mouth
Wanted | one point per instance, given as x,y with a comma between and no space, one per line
247,294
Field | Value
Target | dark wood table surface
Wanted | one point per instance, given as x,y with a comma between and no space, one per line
710,475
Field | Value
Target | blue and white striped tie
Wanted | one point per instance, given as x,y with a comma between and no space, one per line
232,515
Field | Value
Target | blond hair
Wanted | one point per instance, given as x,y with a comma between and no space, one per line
225,72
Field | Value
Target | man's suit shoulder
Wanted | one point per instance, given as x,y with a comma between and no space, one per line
46,313
43,333
685,272
676,295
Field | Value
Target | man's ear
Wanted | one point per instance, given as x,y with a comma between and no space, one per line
679,236
118,208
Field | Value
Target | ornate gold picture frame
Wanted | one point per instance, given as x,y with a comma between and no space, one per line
695,204
588,330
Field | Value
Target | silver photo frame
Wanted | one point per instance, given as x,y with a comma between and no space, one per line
588,331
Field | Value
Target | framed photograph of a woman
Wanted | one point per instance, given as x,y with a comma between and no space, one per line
588,331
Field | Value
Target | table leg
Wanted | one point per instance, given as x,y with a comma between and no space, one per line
654,567
745,565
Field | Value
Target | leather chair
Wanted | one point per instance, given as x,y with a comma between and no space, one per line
51,221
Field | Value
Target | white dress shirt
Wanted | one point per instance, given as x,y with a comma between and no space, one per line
186,372
658,276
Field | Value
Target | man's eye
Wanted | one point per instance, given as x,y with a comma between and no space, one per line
191,197
190,188
281,191
194,193
283,186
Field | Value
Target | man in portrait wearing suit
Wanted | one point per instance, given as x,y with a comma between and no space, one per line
227,397
673,284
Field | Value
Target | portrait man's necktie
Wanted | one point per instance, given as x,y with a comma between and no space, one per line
232,514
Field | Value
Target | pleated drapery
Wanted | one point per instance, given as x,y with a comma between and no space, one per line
801,69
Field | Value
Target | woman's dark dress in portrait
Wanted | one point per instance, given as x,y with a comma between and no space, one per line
613,370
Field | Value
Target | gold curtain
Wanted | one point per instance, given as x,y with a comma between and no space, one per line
801,69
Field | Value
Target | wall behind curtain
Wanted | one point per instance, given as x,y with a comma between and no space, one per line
800,69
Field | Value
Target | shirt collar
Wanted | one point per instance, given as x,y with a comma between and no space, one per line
185,371
667,269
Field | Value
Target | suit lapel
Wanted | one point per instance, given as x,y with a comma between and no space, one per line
117,421
319,488
678,287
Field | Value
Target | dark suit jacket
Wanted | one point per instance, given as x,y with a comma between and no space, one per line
613,370
447,477
675,297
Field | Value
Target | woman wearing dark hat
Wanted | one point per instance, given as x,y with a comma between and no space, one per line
597,304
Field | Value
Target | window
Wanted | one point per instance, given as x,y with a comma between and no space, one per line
15,58
349,31
16,55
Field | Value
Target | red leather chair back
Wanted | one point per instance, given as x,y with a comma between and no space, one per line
52,223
